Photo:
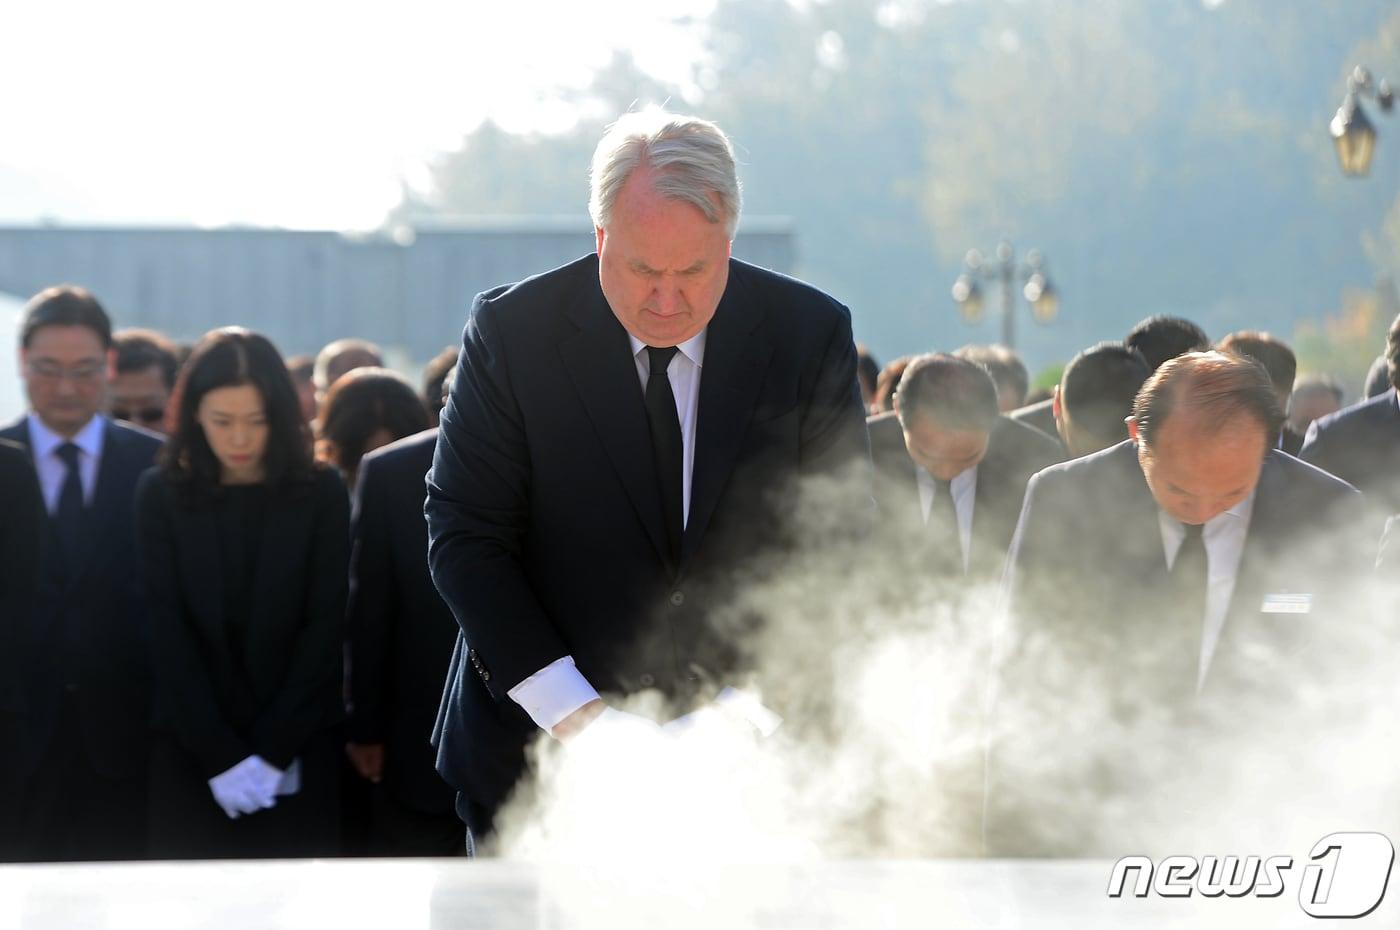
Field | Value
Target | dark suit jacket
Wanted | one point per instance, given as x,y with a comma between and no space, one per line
1361,445
1099,643
1290,441
401,634
544,516
287,689
22,504
88,635
1041,415
1014,453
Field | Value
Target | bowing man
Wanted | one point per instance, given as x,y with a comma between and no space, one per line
630,438
1191,581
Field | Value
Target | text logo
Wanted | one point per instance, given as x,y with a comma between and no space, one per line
1347,878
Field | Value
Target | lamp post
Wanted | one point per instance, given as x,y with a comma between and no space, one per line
1037,289
1351,130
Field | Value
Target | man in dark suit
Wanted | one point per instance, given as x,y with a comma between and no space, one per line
1191,577
596,503
85,670
1361,443
1282,367
401,636
23,506
950,471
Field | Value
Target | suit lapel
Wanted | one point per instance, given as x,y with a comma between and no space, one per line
736,360
600,363
1147,553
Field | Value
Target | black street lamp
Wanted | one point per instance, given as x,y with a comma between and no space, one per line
1351,130
1037,289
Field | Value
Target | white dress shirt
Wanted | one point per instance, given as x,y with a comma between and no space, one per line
559,689
52,470
964,490
1224,536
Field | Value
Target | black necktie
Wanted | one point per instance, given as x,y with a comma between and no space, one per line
68,518
1190,570
1190,578
944,535
666,444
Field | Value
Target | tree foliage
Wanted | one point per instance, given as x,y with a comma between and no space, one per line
1164,157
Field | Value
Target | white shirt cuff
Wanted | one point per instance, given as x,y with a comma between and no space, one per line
554,692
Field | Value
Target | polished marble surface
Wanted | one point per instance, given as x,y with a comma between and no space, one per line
486,894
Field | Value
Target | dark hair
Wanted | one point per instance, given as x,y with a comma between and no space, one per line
1004,365
954,392
1274,354
342,356
64,305
1320,384
1099,386
139,349
361,403
1392,352
1377,378
434,374
1216,385
1161,337
888,381
867,369
232,357
301,368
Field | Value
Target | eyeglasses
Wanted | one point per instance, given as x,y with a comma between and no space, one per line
144,415
52,371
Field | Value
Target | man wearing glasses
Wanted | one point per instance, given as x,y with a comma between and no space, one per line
84,672
147,363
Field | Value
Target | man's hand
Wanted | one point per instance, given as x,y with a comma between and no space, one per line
578,721
368,760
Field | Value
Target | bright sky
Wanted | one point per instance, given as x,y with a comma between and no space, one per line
297,113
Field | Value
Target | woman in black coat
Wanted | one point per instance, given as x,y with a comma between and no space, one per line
245,546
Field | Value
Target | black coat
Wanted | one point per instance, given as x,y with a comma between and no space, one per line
544,515
88,635
401,634
22,503
1040,415
288,687
1014,453
1361,445
1100,658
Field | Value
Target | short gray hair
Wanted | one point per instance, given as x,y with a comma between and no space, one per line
693,160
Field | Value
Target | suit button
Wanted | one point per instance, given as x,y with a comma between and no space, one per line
485,675
677,598
646,681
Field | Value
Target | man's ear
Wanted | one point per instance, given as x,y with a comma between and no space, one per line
598,239
1132,428
1055,403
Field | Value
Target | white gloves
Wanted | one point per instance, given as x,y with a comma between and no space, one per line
248,787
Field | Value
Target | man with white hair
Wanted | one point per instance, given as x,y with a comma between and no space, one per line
622,450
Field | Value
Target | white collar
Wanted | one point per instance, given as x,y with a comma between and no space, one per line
1240,511
693,348
44,440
